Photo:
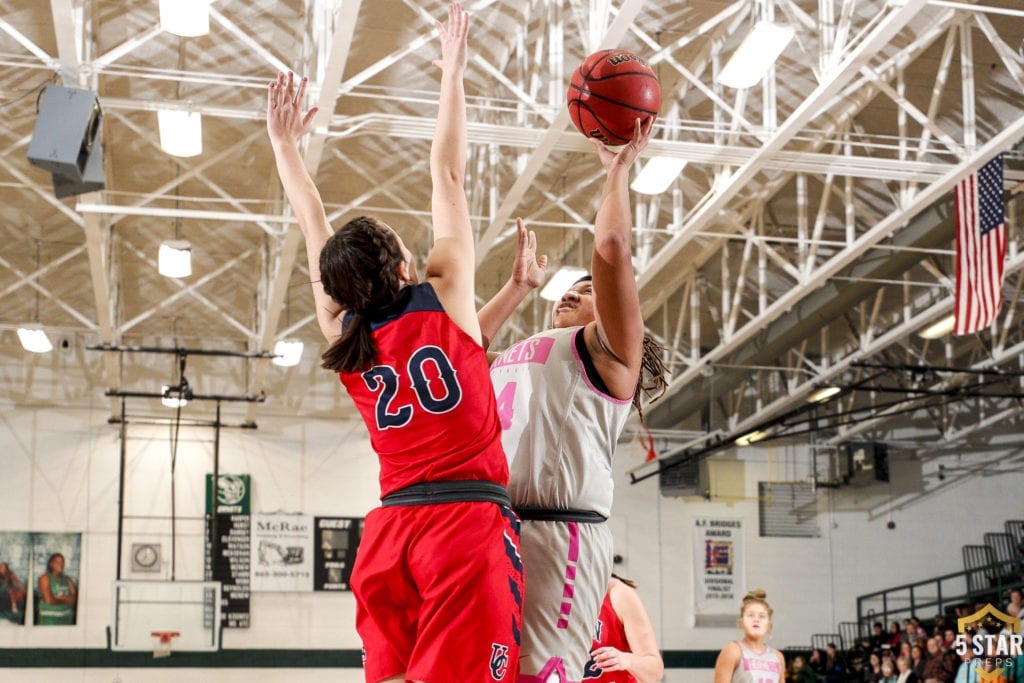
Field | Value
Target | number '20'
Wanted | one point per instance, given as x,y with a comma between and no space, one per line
433,399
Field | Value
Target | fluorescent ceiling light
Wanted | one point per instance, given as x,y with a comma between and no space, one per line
175,259
657,174
560,282
181,132
823,394
287,353
34,339
172,401
186,18
938,329
751,437
755,55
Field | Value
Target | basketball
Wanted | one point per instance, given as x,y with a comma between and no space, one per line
608,92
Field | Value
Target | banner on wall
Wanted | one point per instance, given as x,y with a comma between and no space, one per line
56,571
718,554
15,575
282,553
335,543
231,564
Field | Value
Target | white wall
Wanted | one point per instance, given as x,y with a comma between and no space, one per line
60,474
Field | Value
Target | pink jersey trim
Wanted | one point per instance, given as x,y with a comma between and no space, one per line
586,378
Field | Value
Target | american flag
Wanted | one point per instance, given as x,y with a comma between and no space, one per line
980,247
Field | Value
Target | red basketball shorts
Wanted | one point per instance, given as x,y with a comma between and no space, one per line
439,593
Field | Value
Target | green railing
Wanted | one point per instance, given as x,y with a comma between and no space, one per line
936,595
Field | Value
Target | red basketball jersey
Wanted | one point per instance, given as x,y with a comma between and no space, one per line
428,401
610,632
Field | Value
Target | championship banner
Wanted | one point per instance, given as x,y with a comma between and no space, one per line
718,574
231,564
282,553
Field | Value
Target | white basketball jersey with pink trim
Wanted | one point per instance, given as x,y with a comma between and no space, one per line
758,667
558,430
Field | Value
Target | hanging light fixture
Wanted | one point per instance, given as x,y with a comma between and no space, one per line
938,329
185,18
755,55
287,353
33,338
175,259
560,282
657,174
823,394
170,400
181,132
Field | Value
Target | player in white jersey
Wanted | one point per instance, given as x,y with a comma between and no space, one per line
751,659
563,399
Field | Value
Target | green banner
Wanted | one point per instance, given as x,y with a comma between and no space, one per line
233,494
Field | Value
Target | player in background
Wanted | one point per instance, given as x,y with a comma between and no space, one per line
438,578
624,649
751,659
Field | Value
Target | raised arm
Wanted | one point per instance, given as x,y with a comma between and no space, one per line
286,124
451,263
527,274
616,340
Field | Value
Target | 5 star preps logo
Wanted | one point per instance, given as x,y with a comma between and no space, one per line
993,640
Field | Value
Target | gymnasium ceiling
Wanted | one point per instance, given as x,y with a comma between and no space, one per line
807,241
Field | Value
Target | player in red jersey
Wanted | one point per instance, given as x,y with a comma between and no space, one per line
438,579
624,649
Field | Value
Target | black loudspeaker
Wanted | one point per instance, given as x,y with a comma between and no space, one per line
93,177
66,129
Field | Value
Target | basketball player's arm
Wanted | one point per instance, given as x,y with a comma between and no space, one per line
451,264
286,124
616,340
527,275
643,660
725,665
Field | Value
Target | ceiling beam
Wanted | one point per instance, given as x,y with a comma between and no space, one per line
811,106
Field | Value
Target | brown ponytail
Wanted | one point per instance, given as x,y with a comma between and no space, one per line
359,270
651,383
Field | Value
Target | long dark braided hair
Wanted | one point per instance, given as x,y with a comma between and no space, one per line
359,270
651,383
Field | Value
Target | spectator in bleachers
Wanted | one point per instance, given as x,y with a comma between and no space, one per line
1014,607
871,671
965,672
906,673
917,658
878,636
895,636
888,672
948,639
817,662
936,668
801,672
835,665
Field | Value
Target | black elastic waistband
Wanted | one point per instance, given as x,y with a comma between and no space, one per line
561,515
436,492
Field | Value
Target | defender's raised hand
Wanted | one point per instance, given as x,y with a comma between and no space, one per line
285,121
453,39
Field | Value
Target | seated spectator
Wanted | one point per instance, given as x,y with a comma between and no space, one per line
801,672
936,668
888,672
895,637
1014,607
917,658
906,674
965,670
835,665
871,671
878,637
817,662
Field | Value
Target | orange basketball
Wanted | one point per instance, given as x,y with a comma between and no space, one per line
609,91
